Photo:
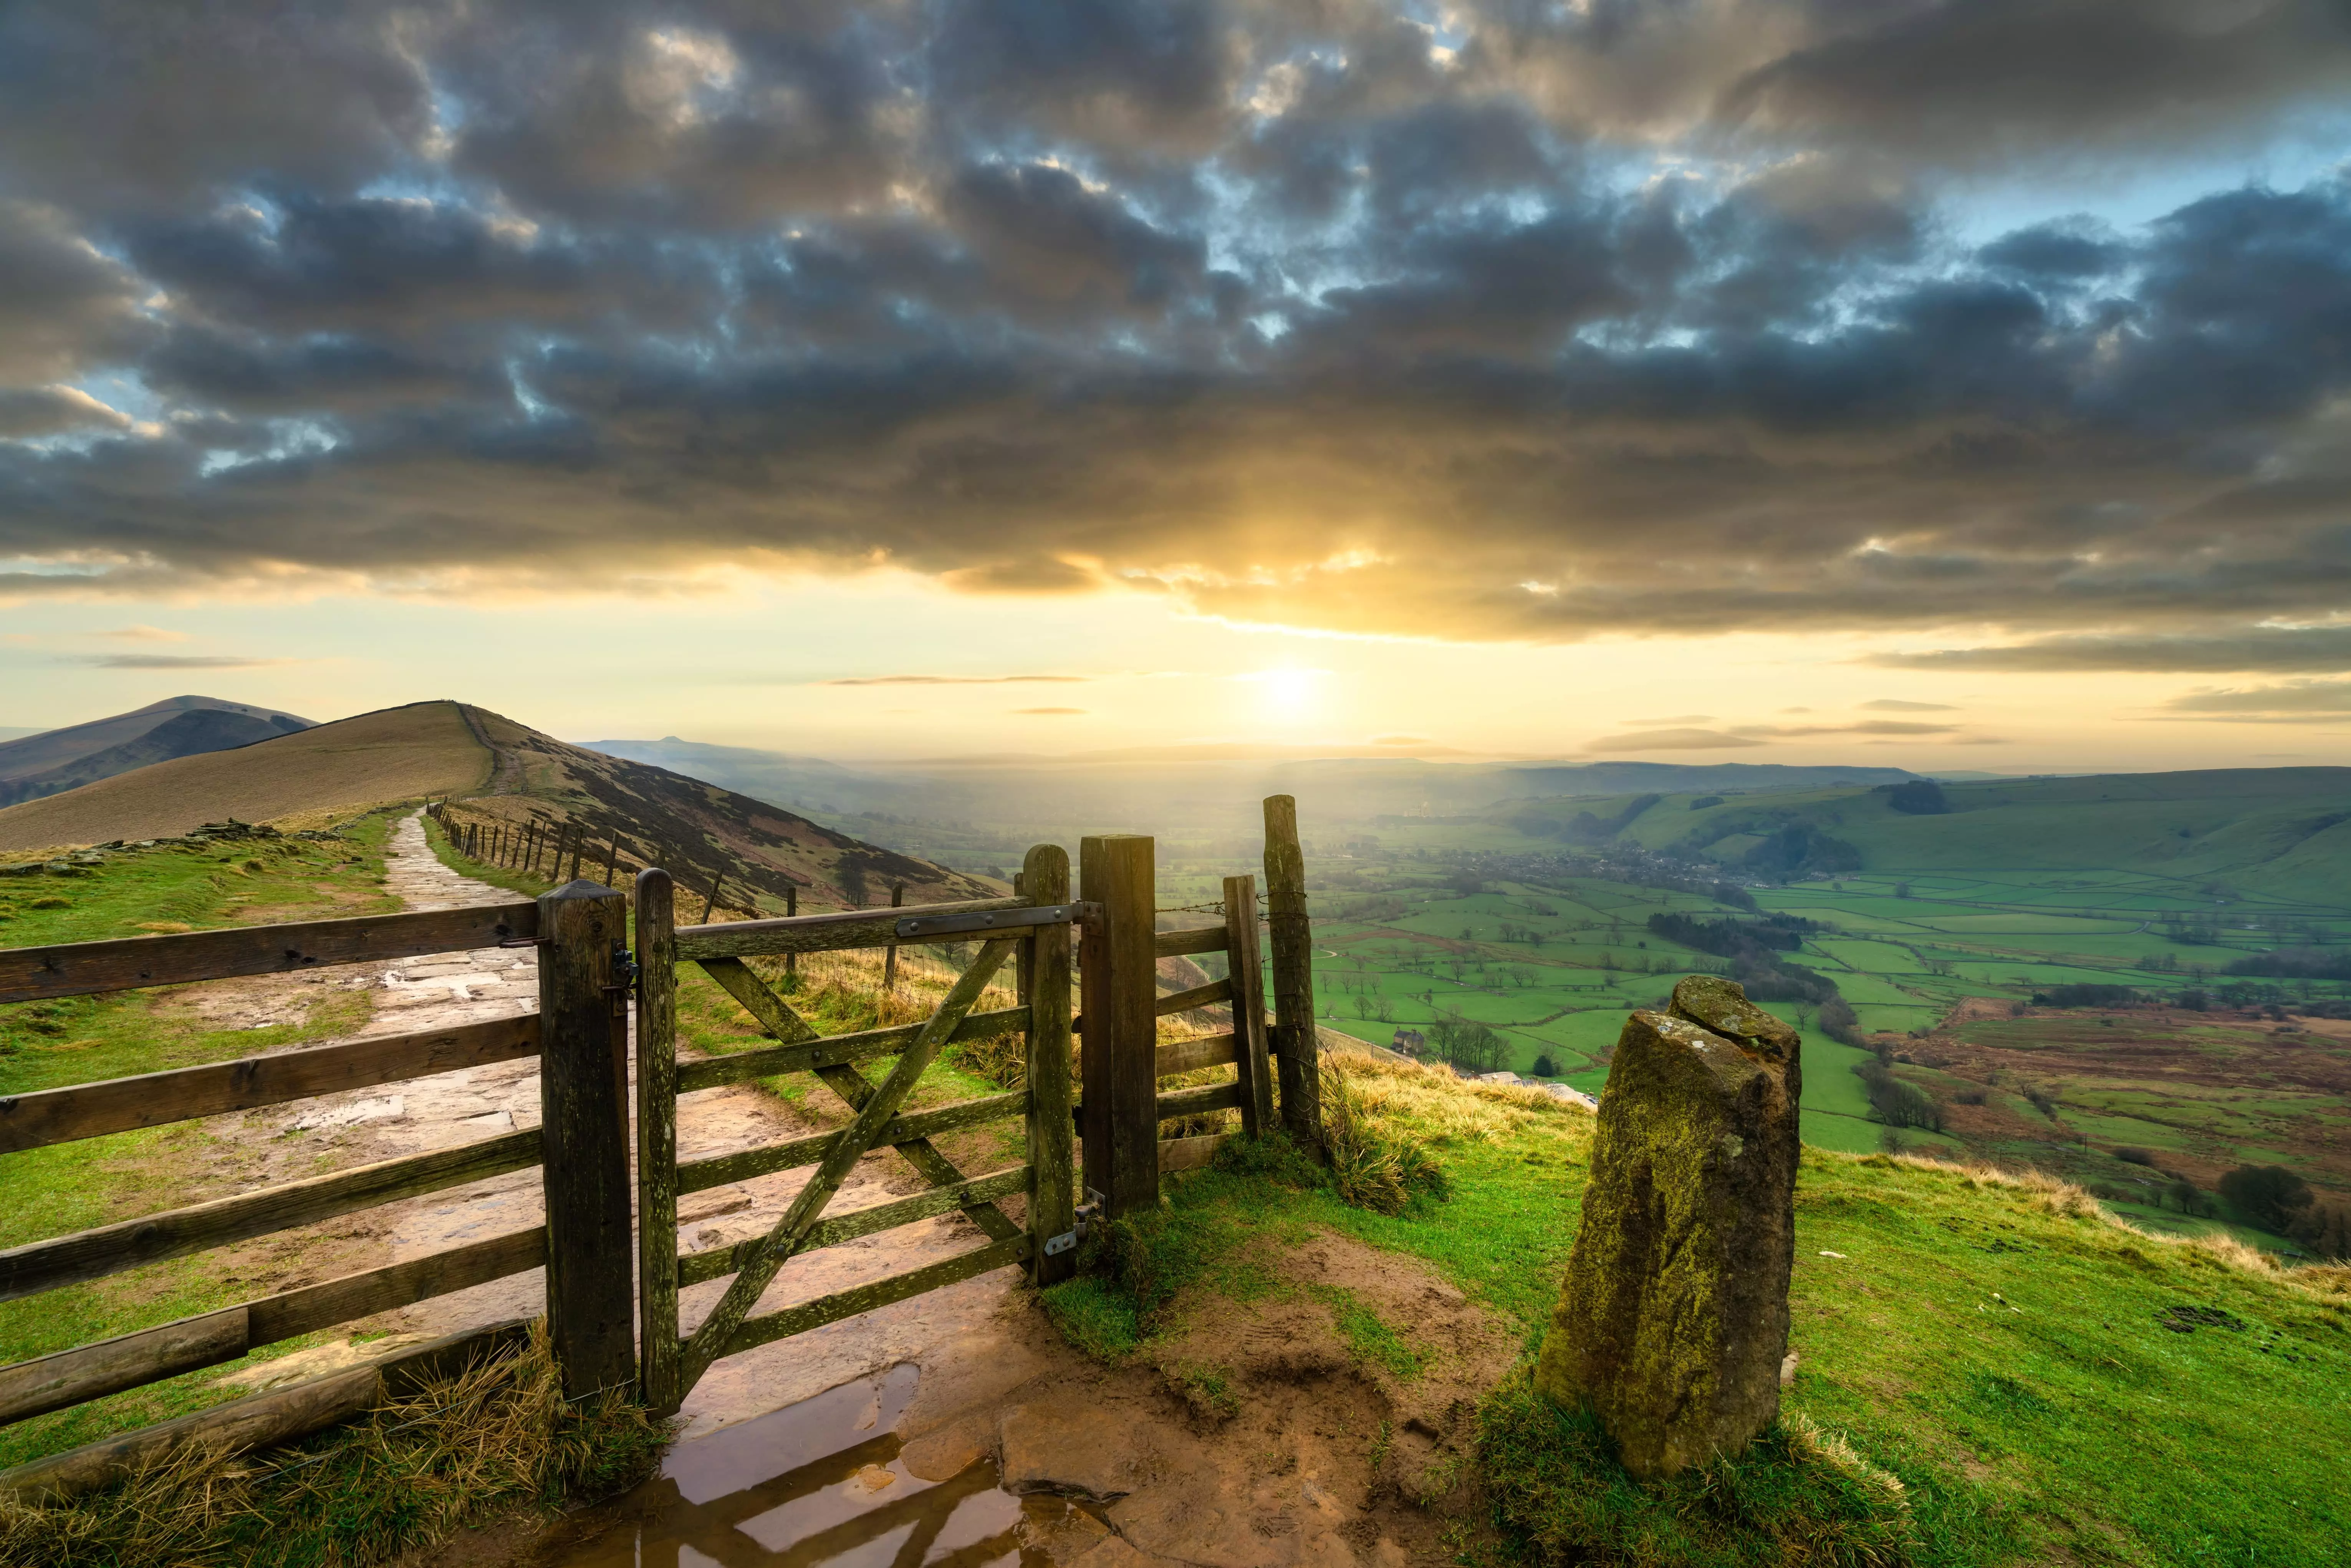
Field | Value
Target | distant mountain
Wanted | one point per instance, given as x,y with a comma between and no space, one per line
50,761
189,733
1678,778
497,772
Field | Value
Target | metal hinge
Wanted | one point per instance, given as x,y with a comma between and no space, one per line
625,968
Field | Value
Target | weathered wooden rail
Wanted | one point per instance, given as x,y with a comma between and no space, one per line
595,1225
149,1099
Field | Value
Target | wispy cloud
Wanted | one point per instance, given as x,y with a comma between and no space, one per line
1049,710
173,661
1896,705
2296,702
140,634
1671,740
958,679
1866,726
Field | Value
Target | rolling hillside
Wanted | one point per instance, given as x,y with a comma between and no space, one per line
2284,832
501,772
696,829
49,762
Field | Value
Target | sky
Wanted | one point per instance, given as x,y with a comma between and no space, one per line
1958,384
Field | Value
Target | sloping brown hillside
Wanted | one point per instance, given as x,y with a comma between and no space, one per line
497,771
340,769
694,828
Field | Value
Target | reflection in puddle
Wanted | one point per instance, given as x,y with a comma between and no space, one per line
820,1483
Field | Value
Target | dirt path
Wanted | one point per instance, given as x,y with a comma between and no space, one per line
452,1108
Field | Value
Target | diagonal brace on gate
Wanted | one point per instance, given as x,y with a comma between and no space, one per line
778,1017
710,1340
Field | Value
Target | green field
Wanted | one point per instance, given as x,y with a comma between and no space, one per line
2155,883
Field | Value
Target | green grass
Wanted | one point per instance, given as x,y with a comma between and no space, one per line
496,1439
1999,1350
62,1188
1557,1489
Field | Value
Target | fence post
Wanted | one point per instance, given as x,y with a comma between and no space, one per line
584,1135
1297,1058
1243,965
657,1376
1045,989
1122,1033
890,954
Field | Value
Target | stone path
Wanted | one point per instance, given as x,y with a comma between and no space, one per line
452,1108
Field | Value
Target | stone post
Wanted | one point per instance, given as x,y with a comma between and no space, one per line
1674,1319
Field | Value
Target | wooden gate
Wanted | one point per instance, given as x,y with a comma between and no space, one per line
1031,930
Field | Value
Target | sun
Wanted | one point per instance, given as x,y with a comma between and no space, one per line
1288,690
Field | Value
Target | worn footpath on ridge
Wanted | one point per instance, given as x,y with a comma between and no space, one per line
445,990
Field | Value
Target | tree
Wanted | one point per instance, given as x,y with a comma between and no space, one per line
2272,1197
1545,1067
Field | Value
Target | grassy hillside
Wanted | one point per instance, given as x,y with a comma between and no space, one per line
502,773
331,771
2284,832
699,831
2049,1385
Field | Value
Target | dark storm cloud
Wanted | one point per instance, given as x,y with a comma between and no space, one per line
1642,317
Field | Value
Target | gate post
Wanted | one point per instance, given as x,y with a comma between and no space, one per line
1121,1030
657,1358
584,1135
1296,1052
1243,965
1045,990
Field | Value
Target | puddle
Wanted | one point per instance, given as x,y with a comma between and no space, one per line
819,1483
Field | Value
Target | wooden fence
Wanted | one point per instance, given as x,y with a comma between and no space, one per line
588,1243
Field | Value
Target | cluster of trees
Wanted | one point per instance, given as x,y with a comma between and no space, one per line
1728,937
1471,1047
1917,797
2276,1199
2086,996
1898,1103
2295,964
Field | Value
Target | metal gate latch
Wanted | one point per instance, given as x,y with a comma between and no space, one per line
1086,1214
625,968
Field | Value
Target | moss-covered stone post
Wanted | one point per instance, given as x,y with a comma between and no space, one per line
1674,1319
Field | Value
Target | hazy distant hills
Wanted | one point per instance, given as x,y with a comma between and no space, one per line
49,762
499,771
1183,791
808,783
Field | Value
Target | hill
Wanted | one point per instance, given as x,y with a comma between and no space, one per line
189,733
698,830
328,771
51,762
502,773
2285,832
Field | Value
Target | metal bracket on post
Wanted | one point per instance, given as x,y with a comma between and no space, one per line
1088,1213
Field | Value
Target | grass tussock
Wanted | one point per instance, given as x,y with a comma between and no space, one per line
1798,1496
496,1438
1374,1164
